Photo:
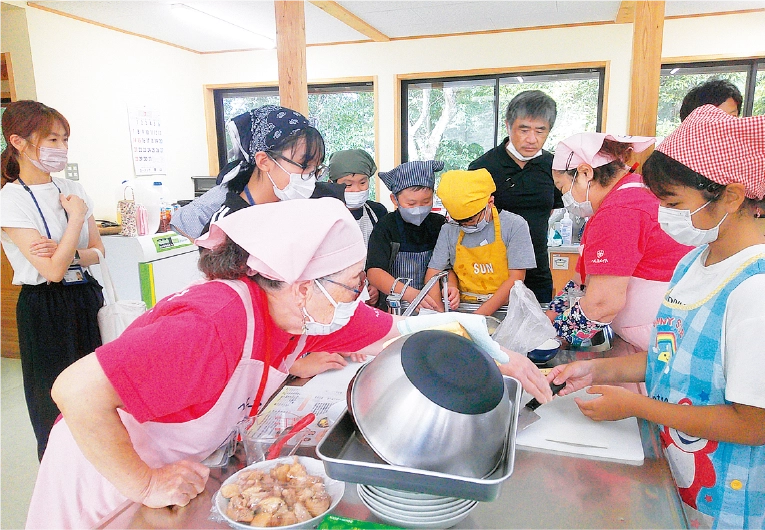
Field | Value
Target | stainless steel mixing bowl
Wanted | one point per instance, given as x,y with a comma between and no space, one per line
433,401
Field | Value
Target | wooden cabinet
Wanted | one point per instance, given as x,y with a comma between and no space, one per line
562,265
9,295
6,79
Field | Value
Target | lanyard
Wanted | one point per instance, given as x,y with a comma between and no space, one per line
249,196
47,230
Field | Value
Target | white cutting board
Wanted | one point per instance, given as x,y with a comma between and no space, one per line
562,428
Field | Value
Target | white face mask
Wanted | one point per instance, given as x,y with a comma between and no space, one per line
679,225
51,159
343,313
513,151
356,199
579,209
414,215
298,188
480,225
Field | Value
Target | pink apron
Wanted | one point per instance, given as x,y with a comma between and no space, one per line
633,323
635,320
70,493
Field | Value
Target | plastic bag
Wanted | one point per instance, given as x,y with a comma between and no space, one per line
526,326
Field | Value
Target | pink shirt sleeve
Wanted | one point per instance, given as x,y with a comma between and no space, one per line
367,326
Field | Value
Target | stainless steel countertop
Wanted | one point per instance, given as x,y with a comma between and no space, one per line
545,491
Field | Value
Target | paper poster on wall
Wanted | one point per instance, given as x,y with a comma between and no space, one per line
146,140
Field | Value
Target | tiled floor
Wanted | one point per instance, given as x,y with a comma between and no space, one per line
18,449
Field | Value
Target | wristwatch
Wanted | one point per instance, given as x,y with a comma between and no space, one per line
76,260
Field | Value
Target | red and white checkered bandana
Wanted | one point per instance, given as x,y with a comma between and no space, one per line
721,147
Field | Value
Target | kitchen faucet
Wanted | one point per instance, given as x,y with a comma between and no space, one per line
394,300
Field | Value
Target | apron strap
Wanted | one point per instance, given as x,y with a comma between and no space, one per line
371,213
244,293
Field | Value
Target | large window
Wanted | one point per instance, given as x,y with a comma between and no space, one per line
678,79
458,119
343,113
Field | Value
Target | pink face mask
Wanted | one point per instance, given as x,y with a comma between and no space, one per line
51,159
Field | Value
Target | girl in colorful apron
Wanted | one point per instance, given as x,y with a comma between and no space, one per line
704,349
721,484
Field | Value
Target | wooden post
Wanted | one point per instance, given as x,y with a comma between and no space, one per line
290,53
646,67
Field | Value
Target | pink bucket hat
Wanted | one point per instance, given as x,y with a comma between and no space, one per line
290,241
721,147
584,148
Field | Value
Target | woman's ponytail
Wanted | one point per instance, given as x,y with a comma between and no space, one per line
26,119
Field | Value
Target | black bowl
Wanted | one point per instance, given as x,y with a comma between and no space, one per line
547,351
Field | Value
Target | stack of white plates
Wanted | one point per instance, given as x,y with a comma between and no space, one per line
414,510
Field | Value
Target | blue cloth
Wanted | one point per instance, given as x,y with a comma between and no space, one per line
408,174
192,218
270,123
722,484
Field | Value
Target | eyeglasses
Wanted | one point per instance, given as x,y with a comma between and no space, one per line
317,172
464,222
363,283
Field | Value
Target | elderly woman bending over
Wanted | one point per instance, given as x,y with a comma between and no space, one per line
141,413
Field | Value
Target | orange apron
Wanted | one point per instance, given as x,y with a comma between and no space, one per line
481,270
71,493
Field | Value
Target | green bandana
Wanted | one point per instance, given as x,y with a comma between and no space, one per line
351,161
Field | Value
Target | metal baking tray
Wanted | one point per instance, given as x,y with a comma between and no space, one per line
346,457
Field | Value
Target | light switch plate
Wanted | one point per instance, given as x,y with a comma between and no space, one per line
72,172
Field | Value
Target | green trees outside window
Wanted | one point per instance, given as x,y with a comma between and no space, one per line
458,119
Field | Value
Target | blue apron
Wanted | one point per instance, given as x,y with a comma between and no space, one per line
412,260
722,484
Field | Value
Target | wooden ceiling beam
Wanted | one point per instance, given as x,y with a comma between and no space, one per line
349,19
626,13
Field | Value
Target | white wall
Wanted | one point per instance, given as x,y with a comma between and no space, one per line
90,74
15,40
462,53
727,36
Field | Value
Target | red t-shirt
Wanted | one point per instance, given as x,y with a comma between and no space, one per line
172,364
624,238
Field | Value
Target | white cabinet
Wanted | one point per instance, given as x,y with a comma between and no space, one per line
149,268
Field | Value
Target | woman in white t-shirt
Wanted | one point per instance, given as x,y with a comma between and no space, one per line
703,368
50,236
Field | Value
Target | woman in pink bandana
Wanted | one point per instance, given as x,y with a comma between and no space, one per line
142,413
703,368
626,260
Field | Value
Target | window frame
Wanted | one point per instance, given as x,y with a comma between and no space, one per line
220,93
497,75
751,64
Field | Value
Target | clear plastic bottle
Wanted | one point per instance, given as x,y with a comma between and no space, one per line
165,208
566,229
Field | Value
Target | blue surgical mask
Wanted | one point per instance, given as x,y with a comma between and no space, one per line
414,215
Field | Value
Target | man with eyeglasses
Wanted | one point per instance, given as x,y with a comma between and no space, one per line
522,172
